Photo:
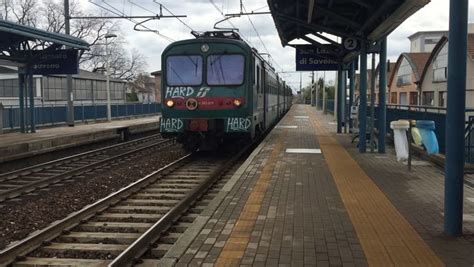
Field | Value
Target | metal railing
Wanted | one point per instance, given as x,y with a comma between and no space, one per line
436,114
50,114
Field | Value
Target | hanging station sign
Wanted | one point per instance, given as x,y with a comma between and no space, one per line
55,62
324,57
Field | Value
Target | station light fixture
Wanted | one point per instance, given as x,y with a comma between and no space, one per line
170,103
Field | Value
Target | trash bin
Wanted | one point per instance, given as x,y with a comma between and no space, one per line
415,134
400,128
428,137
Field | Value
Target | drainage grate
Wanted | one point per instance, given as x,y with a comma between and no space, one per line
303,150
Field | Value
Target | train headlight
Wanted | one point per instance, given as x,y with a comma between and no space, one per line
237,102
204,48
170,103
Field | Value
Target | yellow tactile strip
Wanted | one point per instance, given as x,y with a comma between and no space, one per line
385,235
235,246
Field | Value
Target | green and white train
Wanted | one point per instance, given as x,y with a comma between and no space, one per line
216,89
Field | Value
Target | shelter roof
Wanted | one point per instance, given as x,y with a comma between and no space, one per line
14,33
361,19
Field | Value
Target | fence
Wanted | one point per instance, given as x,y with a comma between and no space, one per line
329,105
52,114
438,115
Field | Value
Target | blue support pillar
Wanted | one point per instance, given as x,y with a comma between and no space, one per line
32,101
382,116
351,89
21,98
344,98
340,95
455,117
363,98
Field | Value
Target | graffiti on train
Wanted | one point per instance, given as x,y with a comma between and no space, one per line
238,124
171,125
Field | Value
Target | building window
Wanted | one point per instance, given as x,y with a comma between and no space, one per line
9,88
403,99
428,98
55,88
404,73
413,98
442,99
393,98
440,65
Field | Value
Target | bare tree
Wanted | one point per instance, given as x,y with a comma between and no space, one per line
24,12
125,65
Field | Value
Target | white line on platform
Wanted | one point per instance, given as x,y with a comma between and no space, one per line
301,117
303,150
286,126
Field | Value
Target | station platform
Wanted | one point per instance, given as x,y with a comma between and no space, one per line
306,197
20,145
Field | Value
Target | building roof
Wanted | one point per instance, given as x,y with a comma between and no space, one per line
417,62
156,73
441,43
416,34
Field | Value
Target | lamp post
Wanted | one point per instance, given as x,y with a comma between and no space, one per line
109,110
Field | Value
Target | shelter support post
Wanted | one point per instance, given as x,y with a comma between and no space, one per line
32,100
351,90
344,98
21,97
455,117
340,95
372,105
363,98
382,116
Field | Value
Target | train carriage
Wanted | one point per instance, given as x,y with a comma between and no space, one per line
216,88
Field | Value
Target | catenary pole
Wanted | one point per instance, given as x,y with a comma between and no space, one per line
70,93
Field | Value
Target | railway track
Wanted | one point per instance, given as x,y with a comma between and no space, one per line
142,217
26,180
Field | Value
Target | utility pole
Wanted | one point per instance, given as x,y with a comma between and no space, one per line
70,93
6,9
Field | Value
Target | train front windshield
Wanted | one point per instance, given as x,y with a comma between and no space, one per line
225,69
184,70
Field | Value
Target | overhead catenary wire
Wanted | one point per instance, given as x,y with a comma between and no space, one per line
123,15
230,22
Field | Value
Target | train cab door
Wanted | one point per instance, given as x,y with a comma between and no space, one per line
266,94
278,96
260,109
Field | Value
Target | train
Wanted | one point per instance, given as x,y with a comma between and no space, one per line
216,89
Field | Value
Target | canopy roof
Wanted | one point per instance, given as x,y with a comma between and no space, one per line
12,33
361,19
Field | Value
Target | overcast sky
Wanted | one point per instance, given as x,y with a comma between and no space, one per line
202,14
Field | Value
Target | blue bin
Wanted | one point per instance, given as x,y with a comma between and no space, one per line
428,137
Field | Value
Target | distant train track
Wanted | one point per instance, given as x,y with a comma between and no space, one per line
119,229
20,182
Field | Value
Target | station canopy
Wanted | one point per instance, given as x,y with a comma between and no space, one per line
16,40
359,19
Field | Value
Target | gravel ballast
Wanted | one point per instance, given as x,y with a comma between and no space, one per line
21,217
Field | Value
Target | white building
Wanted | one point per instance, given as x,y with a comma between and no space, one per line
88,87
